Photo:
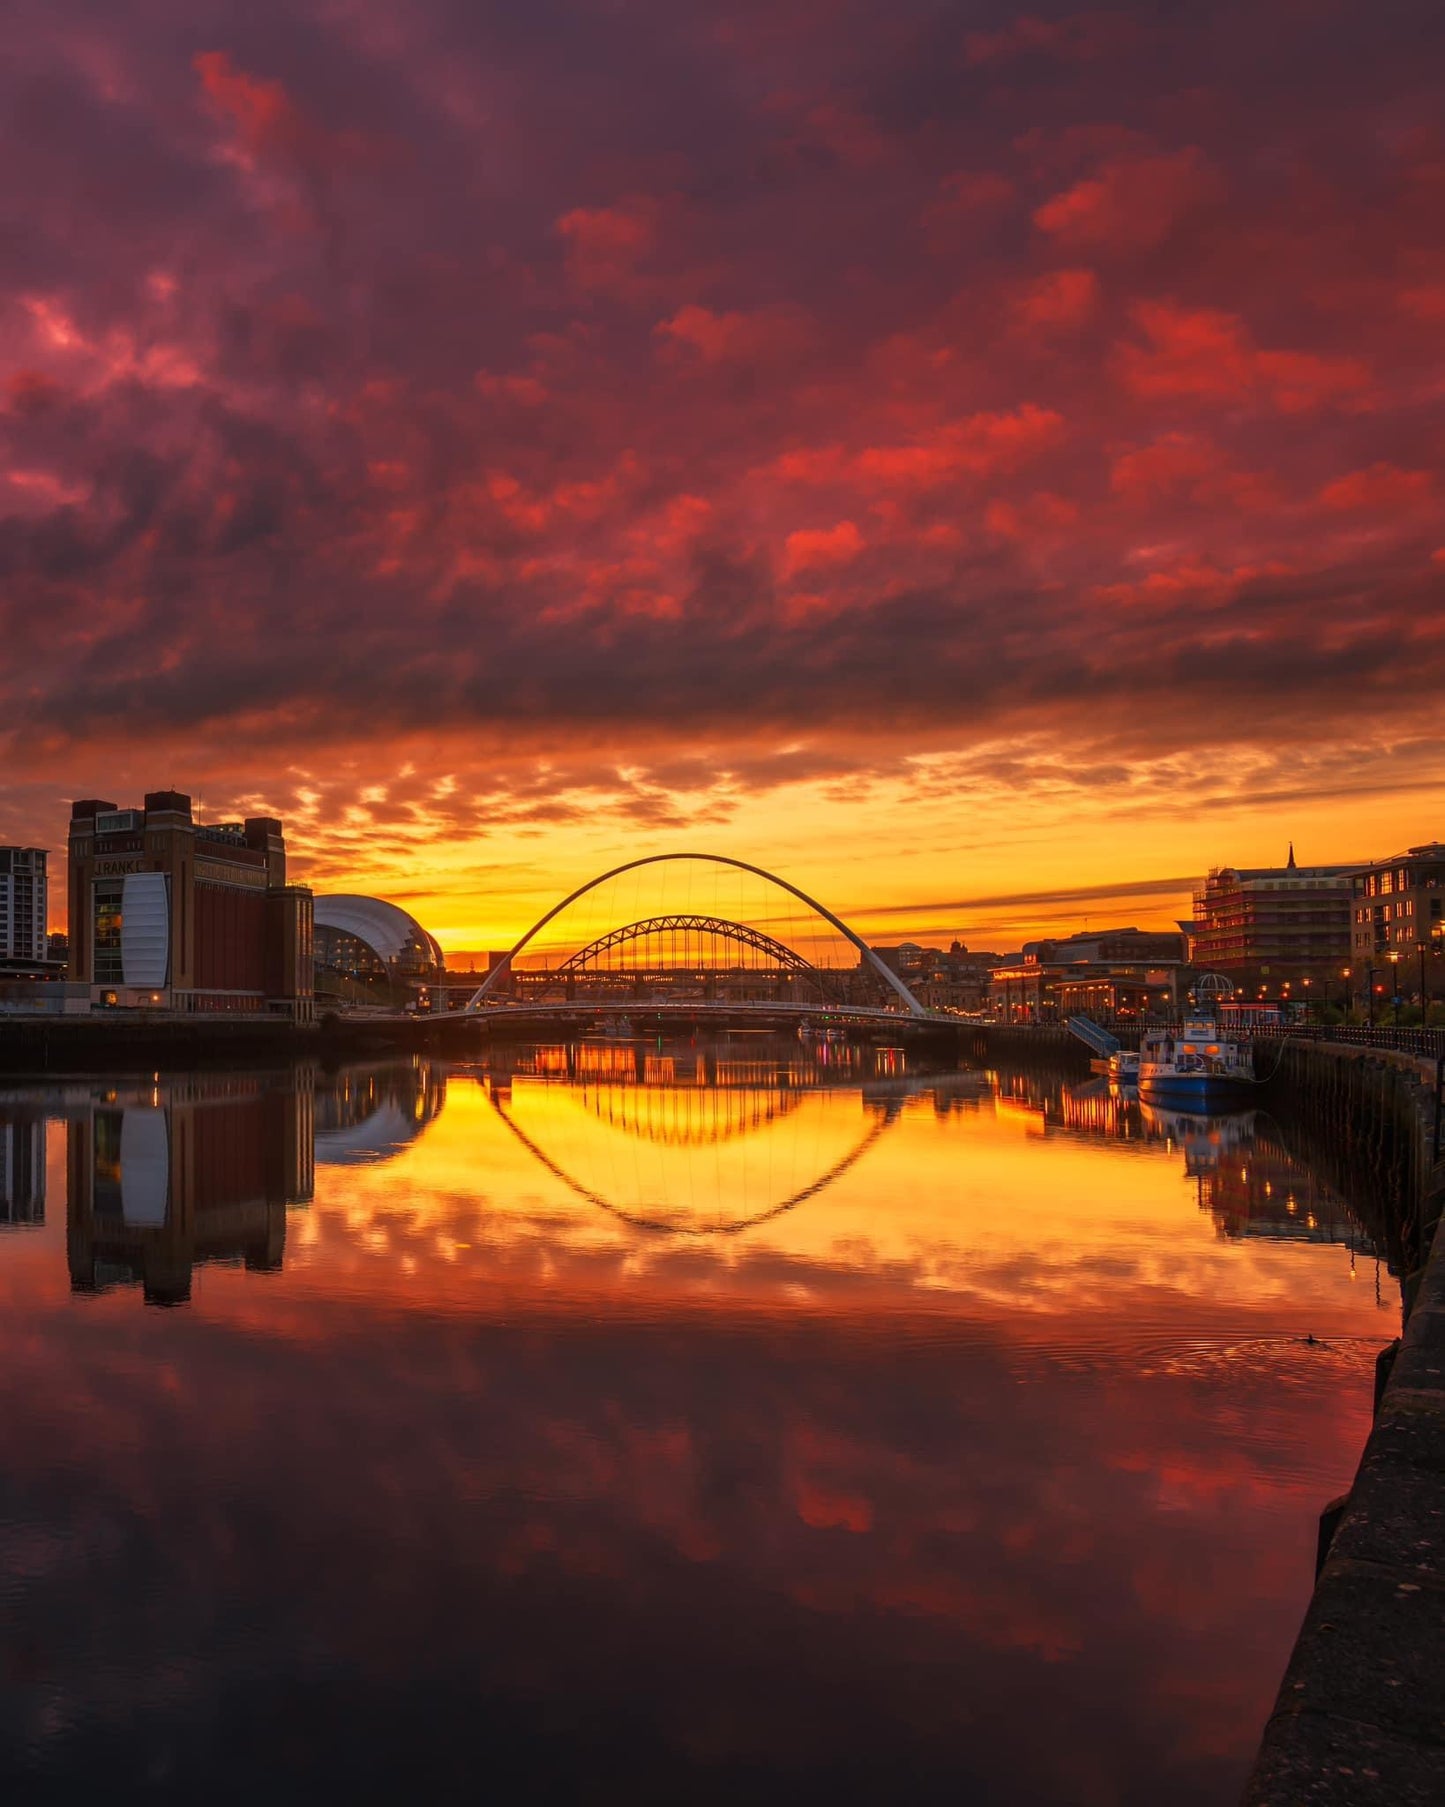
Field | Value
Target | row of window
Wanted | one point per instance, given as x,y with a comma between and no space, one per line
1385,884
1395,912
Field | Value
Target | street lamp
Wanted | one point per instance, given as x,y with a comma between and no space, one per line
1306,984
1394,958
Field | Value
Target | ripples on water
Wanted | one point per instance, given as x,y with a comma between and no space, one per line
703,1421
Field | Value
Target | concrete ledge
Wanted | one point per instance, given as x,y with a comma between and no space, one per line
1360,1718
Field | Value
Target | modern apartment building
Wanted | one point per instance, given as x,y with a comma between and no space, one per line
1274,922
1397,910
23,903
183,915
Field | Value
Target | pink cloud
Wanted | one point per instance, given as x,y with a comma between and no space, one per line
1425,301
605,245
1131,203
1382,487
1032,517
1186,464
1077,38
982,443
264,115
965,203
1059,300
1193,580
811,547
268,124
351,476
848,134
716,337
1176,461
1204,354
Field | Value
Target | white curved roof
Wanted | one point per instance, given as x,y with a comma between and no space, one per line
385,927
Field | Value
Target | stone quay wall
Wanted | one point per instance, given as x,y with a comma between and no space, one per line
1360,1716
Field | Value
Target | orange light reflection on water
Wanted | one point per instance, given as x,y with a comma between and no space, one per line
960,1204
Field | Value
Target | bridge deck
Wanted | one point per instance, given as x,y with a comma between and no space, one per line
701,1010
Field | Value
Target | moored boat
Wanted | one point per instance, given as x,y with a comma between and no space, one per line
1197,1067
1123,1067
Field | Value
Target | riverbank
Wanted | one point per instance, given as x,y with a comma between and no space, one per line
1358,1721
114,1042
106,1044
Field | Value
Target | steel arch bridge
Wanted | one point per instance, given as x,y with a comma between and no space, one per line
685,928
586,959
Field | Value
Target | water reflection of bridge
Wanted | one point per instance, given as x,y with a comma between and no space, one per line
665,1215
723,1066
687,1116
576,1107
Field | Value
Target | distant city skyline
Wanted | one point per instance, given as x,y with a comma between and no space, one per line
981,466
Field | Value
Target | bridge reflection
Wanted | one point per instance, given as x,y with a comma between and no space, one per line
621,1125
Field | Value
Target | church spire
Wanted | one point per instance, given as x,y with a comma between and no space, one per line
1290,867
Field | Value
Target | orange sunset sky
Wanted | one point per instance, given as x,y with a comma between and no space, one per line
983,464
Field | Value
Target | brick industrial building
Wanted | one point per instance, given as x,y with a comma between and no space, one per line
183,915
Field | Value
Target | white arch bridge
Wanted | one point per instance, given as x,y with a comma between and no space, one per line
696,964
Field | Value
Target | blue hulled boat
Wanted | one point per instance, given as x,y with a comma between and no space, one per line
1197,1067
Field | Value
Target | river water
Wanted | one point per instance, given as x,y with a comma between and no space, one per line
700,1422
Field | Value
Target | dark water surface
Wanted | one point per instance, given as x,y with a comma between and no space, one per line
704,1423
